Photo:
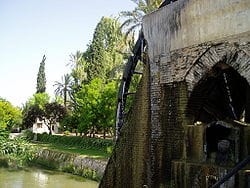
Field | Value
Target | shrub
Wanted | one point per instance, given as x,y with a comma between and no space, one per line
4,133
17,151
28,134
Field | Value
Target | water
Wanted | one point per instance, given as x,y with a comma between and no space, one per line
37,178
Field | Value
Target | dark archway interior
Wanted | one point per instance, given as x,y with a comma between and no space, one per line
221,94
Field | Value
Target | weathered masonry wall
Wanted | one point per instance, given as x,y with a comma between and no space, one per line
190,22
186,39
160,146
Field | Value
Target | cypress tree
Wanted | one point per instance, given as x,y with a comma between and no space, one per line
41,79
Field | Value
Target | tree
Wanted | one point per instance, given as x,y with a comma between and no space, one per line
34,108
53,113
87,99
78,65
39,99
70,122
106,107
78,74
103,53
134,18
92,70
41,79
30,116
50,114
96,110
64,89
10,116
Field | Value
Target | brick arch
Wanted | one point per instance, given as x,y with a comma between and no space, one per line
231,54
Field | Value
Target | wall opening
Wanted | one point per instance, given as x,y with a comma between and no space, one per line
221,143
218,99
220,95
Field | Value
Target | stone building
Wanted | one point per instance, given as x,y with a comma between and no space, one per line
189,124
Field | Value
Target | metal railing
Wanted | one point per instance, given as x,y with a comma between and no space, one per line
232,172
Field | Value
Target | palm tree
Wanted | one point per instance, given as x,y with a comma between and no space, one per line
134,18
63,88
78,66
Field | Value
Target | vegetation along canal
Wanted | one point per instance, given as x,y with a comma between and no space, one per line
39,178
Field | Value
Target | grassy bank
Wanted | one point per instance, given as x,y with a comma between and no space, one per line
89,147
91,153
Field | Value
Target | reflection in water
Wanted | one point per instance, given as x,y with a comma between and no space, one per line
40,178
37,178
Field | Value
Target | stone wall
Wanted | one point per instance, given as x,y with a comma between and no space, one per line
72,163
186,39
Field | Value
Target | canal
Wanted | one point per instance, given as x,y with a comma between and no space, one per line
40,178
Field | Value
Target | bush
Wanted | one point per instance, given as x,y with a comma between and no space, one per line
16,151
28,134
76,141
4,133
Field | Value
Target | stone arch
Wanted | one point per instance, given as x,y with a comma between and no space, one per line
236,57
207,74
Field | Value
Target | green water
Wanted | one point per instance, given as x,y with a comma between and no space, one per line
37,178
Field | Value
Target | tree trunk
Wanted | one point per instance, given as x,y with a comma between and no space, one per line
50,131
104,134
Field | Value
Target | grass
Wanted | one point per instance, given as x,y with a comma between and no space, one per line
91,153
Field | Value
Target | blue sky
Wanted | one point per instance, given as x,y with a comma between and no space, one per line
31,28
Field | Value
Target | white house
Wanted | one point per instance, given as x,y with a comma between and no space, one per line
40,127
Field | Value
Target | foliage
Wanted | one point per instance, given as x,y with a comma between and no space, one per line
17,151
76,141
38,99
96,110
53,113
28,134
41,79
87,99
106,108
133,19
4,133
34,108
49,113
64,89
102,55
78,65
70,122
10,116
90,89
31,115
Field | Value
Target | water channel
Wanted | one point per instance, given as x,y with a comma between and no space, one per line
39,178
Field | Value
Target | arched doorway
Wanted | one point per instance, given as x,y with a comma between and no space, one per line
219,99
220,95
